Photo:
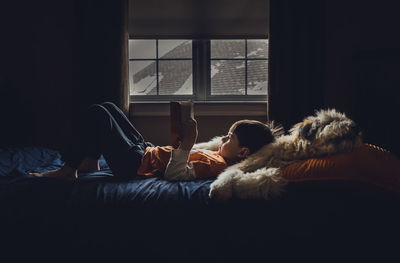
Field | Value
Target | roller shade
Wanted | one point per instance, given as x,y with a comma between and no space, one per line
198,18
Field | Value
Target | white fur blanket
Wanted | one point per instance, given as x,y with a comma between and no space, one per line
258,176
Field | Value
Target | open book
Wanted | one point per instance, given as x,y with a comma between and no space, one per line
180,111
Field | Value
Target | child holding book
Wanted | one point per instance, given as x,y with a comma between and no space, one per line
106,131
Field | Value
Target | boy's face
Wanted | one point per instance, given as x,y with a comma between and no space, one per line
230,148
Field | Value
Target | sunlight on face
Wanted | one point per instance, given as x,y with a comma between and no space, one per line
229,148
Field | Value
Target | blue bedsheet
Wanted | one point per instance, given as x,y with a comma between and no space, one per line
16,163
133,217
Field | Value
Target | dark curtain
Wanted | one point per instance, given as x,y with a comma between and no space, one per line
297,33
100,53
376,99
35,72
14,116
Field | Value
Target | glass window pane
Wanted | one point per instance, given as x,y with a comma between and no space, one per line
228,48
227,77
139,48
142,78
175,77
257,48
174,48
257,74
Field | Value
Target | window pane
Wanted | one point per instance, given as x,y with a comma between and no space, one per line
257,48
175,77
142,78
175,49
227,48
257,73
139,48
227,77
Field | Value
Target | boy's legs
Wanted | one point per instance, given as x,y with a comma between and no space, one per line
99,133
91,163
130,131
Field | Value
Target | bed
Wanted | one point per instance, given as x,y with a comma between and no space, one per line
99,217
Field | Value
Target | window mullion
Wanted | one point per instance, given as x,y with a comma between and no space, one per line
200,63
195,68
207,69
201,70
157,66
245,67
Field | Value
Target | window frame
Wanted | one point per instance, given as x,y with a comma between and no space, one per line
201,72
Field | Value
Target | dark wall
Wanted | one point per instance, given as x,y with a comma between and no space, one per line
57,58
43,80
36,71
362,66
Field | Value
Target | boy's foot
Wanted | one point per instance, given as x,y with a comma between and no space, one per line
89,165
62,173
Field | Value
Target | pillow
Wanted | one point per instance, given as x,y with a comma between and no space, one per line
367,163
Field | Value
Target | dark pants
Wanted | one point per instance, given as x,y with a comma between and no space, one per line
104,129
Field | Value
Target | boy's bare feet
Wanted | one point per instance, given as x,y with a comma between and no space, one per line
89,165
64,172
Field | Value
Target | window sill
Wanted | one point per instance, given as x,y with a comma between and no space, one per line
211,108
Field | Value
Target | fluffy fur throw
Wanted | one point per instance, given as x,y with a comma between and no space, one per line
258,176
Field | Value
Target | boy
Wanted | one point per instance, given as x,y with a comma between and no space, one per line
106,130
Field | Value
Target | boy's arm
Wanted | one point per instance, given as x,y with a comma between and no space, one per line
189,133
178,167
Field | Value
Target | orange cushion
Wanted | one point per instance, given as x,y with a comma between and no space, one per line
367,163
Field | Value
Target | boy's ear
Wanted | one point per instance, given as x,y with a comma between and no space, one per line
244,152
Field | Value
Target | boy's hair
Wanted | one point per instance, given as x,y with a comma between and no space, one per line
252,134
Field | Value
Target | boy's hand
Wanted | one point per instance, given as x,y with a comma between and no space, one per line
189,133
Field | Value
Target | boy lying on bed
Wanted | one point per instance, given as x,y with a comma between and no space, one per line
106,130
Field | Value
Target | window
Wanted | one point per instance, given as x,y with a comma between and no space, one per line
202,70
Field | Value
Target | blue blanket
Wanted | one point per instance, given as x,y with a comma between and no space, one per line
118,216
16,163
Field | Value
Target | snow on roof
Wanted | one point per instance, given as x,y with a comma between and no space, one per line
227,76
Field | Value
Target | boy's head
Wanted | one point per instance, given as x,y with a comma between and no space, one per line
244,138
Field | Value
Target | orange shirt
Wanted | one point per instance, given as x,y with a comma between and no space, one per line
206,164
